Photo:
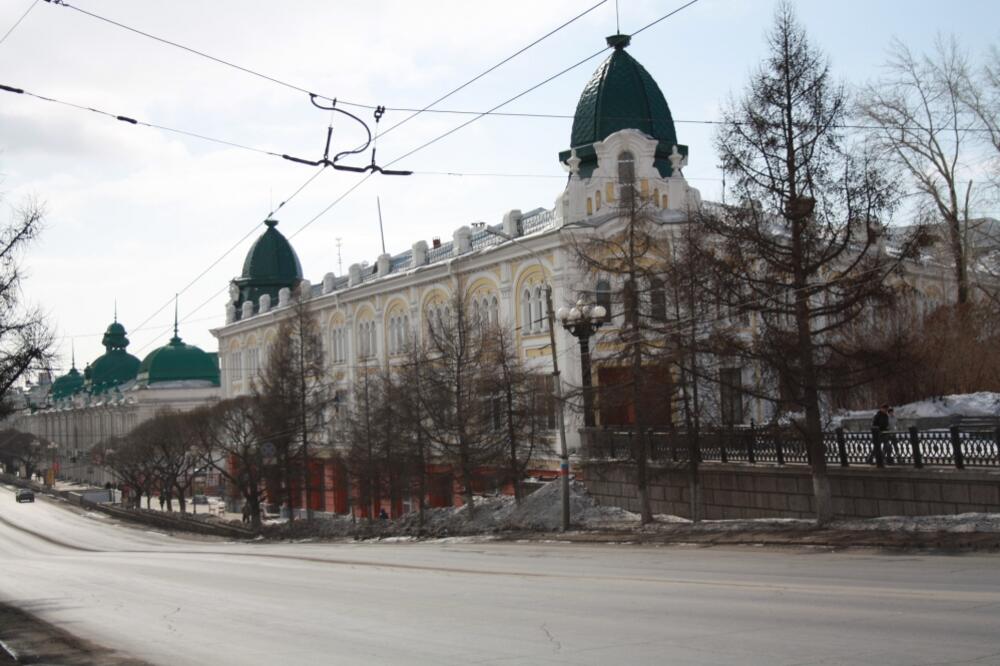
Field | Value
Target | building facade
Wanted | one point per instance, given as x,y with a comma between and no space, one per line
80,412
623,132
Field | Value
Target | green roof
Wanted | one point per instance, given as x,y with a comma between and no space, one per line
270,265
68,385
115,366
622,95
177,361
272,260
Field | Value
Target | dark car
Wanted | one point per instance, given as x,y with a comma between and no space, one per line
24,495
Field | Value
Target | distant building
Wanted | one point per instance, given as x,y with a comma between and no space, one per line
113,394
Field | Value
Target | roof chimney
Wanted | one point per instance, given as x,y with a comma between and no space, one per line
435,242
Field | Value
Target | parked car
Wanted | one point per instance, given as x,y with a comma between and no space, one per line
200,499
24,495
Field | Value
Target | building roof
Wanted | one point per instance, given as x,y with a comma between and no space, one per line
622,95
68,385
177,361
271,260
115,366
270,266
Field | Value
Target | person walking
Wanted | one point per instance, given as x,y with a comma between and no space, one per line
880,423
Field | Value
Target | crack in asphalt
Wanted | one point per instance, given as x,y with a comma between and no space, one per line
557,646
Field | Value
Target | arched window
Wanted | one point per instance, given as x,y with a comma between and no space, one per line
539,323
494,311
626,177
526,311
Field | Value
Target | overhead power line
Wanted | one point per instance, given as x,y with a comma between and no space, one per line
134,121
18,22
298,88
536,86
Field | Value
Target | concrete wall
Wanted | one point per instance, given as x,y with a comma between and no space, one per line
741,491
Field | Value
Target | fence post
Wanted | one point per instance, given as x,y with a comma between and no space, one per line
877,447
956,448
631,445
996,442
842,447
723,455
918,457
751,436
779,451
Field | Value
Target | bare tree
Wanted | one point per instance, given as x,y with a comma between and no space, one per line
229,441
22,449
925,126
458,418
25,338
517,405
629,255
291,398
803,249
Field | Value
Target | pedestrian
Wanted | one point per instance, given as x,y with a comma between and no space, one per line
246,512
880,423
382,515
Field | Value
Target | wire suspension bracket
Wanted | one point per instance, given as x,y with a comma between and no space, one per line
325,161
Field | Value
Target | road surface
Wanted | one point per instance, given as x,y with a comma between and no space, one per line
174,600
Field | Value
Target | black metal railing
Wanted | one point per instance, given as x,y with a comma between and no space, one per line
951,447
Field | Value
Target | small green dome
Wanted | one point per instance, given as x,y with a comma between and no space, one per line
68,385
176,362
270,266
622,95
115,366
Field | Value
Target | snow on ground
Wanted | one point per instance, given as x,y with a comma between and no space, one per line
542,512
983,403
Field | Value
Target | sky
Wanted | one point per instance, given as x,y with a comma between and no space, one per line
135,215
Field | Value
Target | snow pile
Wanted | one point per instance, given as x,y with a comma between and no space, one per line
542,510
983,403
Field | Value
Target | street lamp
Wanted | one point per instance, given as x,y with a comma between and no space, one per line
557,387
582,321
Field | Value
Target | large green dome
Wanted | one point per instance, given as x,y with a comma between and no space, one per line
270,266
176,362
68,385
115,366
622,95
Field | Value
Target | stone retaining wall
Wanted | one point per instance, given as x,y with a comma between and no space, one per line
743,491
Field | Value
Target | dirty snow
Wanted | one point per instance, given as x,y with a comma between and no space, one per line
983,403
542,512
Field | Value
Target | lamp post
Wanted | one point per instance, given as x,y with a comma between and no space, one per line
582,321
557,387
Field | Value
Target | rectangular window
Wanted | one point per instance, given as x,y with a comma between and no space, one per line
731,395
545,403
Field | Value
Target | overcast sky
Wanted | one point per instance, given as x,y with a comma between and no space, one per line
136,214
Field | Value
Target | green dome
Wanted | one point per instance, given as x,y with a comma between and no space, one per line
270,265
115,366
68,385
622,95
176,362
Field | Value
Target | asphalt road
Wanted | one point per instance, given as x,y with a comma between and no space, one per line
173,600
